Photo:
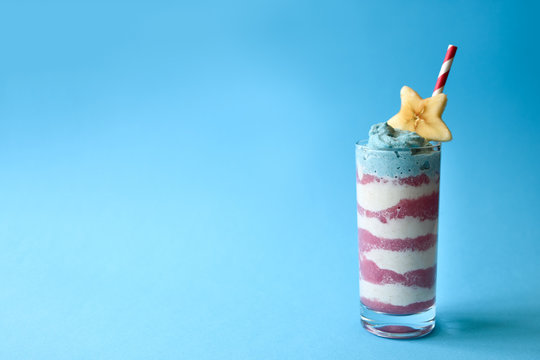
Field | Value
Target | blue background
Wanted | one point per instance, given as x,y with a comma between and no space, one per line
178,177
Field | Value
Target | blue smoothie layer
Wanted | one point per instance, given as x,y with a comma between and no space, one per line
397,153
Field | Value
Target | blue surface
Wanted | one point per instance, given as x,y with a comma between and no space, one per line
178,177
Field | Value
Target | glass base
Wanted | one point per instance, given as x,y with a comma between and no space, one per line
398,326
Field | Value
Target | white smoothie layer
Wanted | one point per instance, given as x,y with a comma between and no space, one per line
402,261
377,196
408,227
396,294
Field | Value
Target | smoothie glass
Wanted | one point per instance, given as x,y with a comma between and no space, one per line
397,208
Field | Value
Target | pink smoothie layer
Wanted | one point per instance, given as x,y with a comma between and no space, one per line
368,241
372,273
401,310
423,208
411,180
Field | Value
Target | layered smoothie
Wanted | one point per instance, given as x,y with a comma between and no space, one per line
397,202
397,179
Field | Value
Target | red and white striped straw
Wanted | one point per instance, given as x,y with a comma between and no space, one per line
445,69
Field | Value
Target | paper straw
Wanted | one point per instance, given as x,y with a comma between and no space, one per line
445,69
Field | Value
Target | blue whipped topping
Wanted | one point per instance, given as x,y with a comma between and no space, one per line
394,153
383,136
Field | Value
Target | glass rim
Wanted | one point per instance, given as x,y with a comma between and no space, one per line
362,144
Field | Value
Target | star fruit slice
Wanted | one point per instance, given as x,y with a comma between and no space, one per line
422,116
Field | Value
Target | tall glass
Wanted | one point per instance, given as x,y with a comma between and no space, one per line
398,208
